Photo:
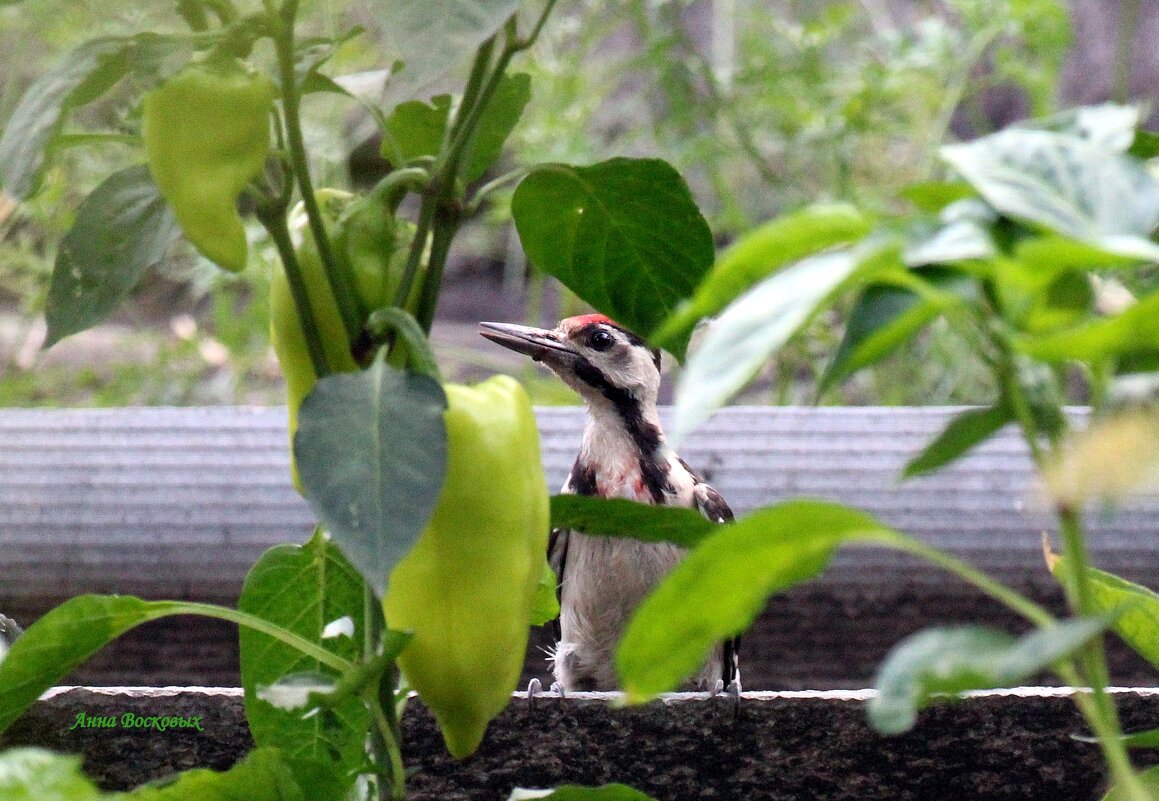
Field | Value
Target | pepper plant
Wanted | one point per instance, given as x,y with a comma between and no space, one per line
428,565
1026,250
1011,253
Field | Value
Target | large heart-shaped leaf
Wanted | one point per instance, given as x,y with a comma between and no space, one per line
1068,184
122,228
625,235
303,589
371,452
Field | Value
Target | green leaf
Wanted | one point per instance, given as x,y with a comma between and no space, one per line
1133,330
1052,254
961,434
33,774
625,235
949,661
310,54
1135,607
962,233
83,75
1066,184
723,584
754,328
264,775
1109,126
619,517
43,108
415,129
933,196
1064,302
371,452
122,228
545,603
1145,145
1139,739
303,589
759,254
886,316
62,639
433,37
497,122
571,792
1148,777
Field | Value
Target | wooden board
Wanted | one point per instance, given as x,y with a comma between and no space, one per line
178,502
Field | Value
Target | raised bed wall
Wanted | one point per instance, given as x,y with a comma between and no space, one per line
177,503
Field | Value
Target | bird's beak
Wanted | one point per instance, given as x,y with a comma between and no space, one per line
538,343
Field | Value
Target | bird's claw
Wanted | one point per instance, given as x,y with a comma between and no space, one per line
733,693
556,687
534,688
9,630
716,689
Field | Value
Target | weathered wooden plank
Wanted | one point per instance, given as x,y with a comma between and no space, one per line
157,500
180,502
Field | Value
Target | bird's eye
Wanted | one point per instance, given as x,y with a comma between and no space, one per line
601,340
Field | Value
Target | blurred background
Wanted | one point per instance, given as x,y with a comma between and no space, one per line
762,105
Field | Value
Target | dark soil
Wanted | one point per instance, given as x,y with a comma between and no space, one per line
822,635
785,748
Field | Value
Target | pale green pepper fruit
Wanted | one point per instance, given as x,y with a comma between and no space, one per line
468,587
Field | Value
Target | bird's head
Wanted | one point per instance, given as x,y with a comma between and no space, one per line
602,361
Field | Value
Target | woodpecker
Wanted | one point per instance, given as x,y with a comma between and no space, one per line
601,580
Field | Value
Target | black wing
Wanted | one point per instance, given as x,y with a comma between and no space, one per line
557,558
580,481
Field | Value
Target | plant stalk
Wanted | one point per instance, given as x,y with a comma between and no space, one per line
999,592
1099,711
275,225
310,649
349,306
384,731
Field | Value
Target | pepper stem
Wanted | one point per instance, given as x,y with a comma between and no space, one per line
275,224
349,306
385,324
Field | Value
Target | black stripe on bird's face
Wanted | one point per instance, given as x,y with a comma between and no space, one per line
645,434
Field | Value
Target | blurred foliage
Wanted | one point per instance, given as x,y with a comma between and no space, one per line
763,105
789,102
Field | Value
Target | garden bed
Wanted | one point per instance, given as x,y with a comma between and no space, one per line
132,501
781,745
